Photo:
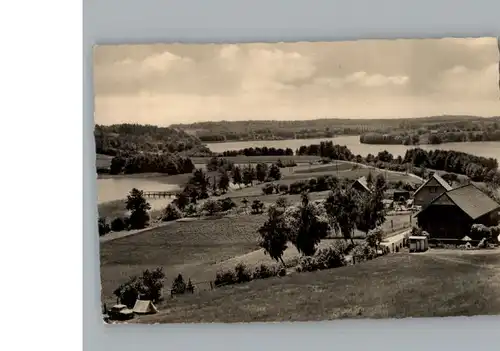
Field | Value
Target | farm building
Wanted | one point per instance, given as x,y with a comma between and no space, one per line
361,185
401,195
451,215
418,243
431,189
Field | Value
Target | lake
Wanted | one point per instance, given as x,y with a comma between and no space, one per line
485,149
118,188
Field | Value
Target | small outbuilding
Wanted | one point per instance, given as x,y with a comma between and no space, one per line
144,307
361,185
401,195
418,243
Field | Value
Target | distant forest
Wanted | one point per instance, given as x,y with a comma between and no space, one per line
375,129
131,139
438,133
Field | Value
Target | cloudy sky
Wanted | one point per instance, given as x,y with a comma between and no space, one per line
176,83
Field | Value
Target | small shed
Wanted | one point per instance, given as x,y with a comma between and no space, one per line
144,307
418,243
401,195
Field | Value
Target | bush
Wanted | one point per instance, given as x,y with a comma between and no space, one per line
118,224
283,188
331,257
211,207
480,231
179,286
171,213
268,189
363,252
263,272
308,264
103,226
226,204
242,274
149,287
297,187
191,210
257,207
225,278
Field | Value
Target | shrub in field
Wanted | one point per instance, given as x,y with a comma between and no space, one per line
225,278
268,189
103,226
211,207
297,187
363,252
118,224
308,264
226,204
178,285
242,274
257,207
191,210
283,188
263,272
331,257
148,286
190,287
171,213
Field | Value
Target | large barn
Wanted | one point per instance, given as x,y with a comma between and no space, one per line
431,189
451,215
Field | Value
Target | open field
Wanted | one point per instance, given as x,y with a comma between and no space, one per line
197,249
394,286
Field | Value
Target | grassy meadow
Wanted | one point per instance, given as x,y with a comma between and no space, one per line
394,286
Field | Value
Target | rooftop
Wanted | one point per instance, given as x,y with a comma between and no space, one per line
471,200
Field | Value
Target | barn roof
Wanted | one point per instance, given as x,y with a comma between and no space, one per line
440,180
363,182
470,200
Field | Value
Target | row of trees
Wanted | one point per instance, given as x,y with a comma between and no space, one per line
436,134
170,164
306,225
327,127
259,151
476,168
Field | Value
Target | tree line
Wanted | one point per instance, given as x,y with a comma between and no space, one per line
472,131
166,163
259,151
320,128
130,139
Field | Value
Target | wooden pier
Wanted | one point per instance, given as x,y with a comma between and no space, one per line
159,194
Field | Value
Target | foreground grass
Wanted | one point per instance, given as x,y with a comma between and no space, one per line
196,249
394,286
181,247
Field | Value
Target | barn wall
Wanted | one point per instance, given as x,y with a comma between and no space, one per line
427,194
445,221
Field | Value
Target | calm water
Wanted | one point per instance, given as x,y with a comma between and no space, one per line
485,149
115,189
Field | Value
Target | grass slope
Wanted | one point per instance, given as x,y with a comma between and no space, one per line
394,286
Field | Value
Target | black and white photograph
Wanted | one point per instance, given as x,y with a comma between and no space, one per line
299,181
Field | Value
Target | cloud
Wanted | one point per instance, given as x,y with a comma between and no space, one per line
376,80
165,83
